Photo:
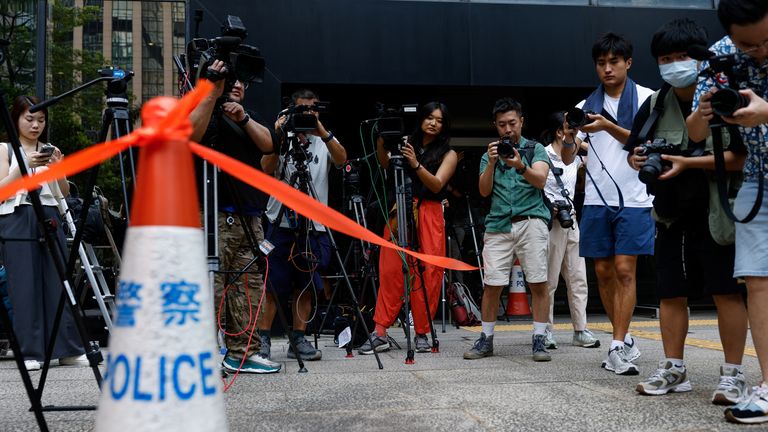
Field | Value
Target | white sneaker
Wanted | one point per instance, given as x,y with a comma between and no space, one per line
617,363
732,387
32,365
631,352
668,378
80,360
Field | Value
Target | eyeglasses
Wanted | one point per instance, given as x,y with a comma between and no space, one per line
244,85
748,49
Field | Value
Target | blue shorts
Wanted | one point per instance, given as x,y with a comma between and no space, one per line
606,232
293,265
751,237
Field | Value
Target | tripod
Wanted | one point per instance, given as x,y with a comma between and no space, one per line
301,179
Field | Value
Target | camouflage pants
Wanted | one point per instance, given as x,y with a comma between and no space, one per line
236,254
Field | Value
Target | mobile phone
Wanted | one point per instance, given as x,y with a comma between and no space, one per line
47,149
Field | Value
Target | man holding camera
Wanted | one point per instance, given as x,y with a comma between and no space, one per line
746,22
302,249
692,258
513,173
227,126
616,217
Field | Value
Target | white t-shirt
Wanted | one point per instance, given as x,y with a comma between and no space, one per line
606,148
570,172
319,166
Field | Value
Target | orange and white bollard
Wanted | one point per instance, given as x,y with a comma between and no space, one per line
517,301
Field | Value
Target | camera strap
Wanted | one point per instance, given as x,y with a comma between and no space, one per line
658,109
721,174
597,189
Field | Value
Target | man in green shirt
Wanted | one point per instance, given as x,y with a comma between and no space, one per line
516,224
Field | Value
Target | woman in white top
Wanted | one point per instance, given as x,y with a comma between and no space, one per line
34,286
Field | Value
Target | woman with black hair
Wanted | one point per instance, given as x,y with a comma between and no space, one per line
430,163
34,286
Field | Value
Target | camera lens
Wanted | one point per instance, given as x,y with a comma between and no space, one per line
726,101
564,217
504,148
651,169
576,117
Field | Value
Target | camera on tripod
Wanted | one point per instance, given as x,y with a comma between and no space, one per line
653,166
243,62
302,118
727,99
577,117
351,174
390,125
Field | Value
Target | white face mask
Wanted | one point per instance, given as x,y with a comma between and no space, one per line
679,74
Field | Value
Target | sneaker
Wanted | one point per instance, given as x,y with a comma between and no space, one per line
631,352
32,365
667,378
253,364
549,341
422,343
380,344
586,339
80,360
617,363
307,351
732,387
266,347
483,347
540,353
753,409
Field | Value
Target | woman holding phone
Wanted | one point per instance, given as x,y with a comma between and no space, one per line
34,286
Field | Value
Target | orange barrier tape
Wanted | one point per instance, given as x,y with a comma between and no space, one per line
311,208
176,125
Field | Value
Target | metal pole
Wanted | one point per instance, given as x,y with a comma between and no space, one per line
42,21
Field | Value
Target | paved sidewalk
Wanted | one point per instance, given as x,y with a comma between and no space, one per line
507,392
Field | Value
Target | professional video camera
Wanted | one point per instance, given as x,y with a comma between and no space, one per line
562,210
652,167
302,118
577,117
727,99
505,147
243,62
351,173
391,124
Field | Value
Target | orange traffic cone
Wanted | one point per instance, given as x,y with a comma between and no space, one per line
517,301
161,370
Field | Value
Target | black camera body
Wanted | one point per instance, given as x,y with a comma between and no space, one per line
301,118
505,147
562,211
351,177
653,166
727,99
577,117
391,125
243,62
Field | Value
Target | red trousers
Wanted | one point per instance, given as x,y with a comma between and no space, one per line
431,235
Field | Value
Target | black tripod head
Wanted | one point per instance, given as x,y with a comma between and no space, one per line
117,88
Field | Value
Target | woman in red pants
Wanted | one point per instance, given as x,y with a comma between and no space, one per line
430,163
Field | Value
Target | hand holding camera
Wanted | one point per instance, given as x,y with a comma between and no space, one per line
409,154
505,149
751,110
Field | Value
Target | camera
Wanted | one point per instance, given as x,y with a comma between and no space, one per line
47,149
391,125
577,117
301,118
505,147
243,62
351,177
652,167
726,101
562,211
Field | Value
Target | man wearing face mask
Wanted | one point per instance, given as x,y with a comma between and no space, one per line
692,260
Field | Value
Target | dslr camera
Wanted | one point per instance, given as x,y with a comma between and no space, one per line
391,125
562,211
653,166
727,99
243,62
505,147
577,117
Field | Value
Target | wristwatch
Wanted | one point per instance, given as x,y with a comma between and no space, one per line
244,121
328,138
522,170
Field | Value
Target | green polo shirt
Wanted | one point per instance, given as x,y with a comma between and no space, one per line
512,195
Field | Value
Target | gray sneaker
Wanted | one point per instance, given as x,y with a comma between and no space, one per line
617,363
483,348
668,378
379,344
549,341
631,352
732,387
422,343
266,347
307,351
585,338
540,353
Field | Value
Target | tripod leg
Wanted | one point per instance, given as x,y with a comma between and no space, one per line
435,342
407,312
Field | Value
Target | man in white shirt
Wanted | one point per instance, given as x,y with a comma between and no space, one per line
616,219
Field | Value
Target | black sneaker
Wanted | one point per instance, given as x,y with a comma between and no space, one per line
266,347
422,343
483,348
306,350
379,344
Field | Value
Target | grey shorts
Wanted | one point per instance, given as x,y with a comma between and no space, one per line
528,240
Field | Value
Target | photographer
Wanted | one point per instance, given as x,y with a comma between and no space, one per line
301,251
513,173
746,22
431,163
614,235
564,232
689,261
224,124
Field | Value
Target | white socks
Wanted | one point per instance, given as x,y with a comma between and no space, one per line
539,328
488,327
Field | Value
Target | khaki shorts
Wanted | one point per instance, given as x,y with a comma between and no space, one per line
528,241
